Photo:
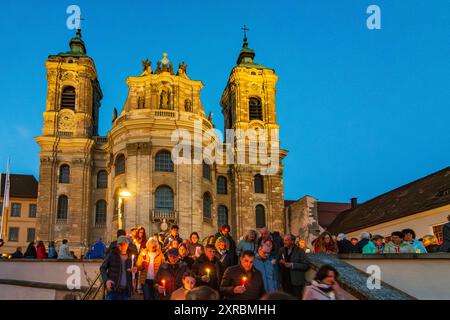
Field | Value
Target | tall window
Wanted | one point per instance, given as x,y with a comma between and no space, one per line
100,212
120,164
222,217
32,211
438,231
259,183
64,174
31,234
260,216
13,234
16,208
206,171
255,109
221,185
207,206
68,98
163,161
164,198
116,205
102,179
63,205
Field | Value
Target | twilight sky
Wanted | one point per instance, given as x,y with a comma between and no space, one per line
361,111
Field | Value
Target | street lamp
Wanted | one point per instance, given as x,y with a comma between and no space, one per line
124,193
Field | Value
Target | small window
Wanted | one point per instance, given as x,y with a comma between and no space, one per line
13,234
32,209
102,179
259,183
120,164
255,109
68,98
438,231
31,234
221,185
222,217
1,209
207,202
206,171
260,216
164,198
163,161
63,205
64,174
100,212
16,208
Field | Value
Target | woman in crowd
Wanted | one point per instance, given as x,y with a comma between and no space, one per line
431,243
141,238
184,255
195,248
52,250
325,286
31,252
148,263
188,284
41,253
249,243
325,244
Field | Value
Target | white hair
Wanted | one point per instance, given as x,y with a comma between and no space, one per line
341,236
365,235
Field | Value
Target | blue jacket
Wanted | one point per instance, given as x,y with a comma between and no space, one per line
268,272
418,246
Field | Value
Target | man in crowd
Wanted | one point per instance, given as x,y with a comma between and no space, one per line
365,238
397,244
265,235
208,268
223,254
116,271
173,235
225,232
243,281
188,284
170,274
264,265
375,246
344,245
446,235
131,246
293,265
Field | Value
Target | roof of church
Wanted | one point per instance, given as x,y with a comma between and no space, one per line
21,186
246,55
77,47
424,194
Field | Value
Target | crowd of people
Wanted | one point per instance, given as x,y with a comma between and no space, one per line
37,250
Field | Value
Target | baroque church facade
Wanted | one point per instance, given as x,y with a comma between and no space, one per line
91,185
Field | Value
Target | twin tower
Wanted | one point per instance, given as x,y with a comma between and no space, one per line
91,185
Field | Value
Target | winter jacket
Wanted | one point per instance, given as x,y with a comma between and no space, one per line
111,269
233,277
404,247
346,246
371,248
173,275
268,273
445,247
215,271
300,264
361,244
52,253
317,291
142,264
226,259
64,252
41,253
418,246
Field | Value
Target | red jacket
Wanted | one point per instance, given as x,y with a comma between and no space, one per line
41,253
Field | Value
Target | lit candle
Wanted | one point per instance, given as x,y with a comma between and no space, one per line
164,286
208,271
132,261
244,280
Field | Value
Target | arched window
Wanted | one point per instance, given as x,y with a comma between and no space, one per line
221,185
207,202
259,183
255,109
102,179
63,205
100,212
68,98
64,174
164,198
120,164
222,217
260,216
163,161
206,171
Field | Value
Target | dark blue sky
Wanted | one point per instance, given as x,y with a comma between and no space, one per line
361,111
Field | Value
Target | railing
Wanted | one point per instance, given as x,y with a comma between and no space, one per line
101,139
161,214
100,225
96,290
61,221
64,134
165,113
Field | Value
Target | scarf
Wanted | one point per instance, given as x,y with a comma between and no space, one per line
325,289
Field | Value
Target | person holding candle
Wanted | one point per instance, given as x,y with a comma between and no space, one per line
243,281
148,263
170,274
184,256
116,271
173,235
293,264
195,248
208,268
